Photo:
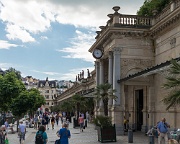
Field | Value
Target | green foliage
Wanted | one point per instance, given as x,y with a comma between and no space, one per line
27,101
18,73
104,92
148,6
10,88
66,106
173,83
102,121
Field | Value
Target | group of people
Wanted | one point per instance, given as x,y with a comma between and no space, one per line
63,133
161,132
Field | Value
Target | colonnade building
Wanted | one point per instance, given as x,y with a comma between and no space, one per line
133,54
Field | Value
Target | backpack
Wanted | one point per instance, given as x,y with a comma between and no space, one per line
39,138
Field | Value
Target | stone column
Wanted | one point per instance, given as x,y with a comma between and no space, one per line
110,81
144,127
131,107
151,107
101,81
117,110
97,67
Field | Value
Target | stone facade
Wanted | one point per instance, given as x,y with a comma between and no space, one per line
132,45
49,90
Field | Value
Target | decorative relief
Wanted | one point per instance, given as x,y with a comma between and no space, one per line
173,42
129,64
117,50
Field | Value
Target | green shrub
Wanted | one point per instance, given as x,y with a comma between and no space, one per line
103,121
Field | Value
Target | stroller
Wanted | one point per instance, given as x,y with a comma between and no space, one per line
153,131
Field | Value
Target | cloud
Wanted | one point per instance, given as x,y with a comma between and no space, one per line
31,16
15,32
79,46
6,45
47,73
44,37
70,75
5,66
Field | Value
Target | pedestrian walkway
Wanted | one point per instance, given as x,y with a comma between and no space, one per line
88,136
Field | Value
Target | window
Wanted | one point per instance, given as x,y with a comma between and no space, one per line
47,96
47,91
52,103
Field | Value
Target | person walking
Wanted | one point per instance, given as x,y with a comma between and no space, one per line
36,121
81,122
41,135
162,129
6,125
57,118
64,134
22,132
52,121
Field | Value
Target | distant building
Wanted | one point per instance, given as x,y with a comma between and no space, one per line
49,90
30,82
64,85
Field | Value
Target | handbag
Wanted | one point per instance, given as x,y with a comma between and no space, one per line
58,141
6,141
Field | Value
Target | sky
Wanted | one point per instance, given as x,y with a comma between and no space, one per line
51,38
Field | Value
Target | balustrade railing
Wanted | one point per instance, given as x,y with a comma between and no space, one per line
134,20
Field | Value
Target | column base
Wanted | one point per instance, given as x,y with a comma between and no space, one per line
117,119
144,128
119,130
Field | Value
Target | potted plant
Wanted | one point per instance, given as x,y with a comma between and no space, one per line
104,92
106,131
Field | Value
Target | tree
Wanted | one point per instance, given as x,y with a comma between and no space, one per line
104,92
26,101
173,84
66,106
10,88
36,100
18,73
147,8
79,103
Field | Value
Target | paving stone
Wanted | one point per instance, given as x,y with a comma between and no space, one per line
88,136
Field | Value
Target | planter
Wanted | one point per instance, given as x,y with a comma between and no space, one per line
106,134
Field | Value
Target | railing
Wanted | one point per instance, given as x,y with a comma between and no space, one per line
134,20
131,21
167,10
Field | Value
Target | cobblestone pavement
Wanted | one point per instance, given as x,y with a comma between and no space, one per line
88,136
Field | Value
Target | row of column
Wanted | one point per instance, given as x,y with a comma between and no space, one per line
113,73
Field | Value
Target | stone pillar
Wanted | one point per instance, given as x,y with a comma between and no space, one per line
110,81
151,107
97,67
117,110
101,81
144,127
131,107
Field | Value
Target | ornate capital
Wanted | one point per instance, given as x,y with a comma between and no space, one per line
117,50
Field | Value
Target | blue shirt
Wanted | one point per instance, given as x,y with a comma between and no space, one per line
162,127
44,134
64,135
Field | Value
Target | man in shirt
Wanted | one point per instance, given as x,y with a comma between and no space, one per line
6,125
22,132
162,129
